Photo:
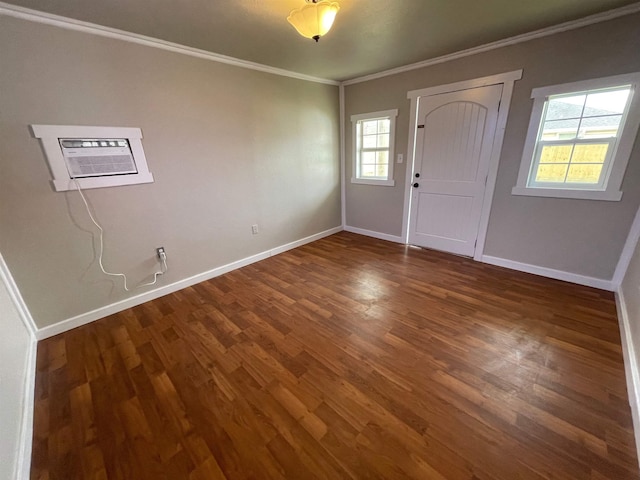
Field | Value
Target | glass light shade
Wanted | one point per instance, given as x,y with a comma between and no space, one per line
313,20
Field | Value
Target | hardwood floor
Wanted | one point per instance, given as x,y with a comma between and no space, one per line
346,358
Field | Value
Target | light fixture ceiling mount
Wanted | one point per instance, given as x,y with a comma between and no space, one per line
314,19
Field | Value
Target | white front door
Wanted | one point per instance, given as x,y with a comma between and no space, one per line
454,140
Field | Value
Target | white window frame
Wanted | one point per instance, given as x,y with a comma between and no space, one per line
355,119
611,181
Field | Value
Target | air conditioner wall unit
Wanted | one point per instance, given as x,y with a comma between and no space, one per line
93,156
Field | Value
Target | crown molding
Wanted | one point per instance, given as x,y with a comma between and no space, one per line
525,37
108,32
94,29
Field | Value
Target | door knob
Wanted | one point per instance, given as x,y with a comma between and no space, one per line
416,185
417,175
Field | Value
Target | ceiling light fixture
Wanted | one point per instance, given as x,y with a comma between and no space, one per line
314,19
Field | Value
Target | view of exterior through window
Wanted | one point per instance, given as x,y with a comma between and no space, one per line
577,137
373,139
373,147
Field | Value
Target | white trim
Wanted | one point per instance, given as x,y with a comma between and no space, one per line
108,32
101,312
25,437
507,79
549,273
627,253
612,196
375,115
102,182
372,181
617,160
632,372
23,463
14,293
371,233
584,85
525,37
411,148
343,161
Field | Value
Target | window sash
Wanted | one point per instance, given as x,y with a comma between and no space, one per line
360,150
604,173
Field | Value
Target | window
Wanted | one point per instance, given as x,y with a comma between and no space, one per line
373,138
580,139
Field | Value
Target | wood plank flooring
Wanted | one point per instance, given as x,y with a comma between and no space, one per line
346,358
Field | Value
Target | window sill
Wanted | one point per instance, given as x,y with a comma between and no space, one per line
612,196
384,183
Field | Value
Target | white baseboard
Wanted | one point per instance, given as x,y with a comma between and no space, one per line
102,312
23,462
371,233
550,273
631,369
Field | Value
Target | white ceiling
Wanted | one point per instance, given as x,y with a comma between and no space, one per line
368,36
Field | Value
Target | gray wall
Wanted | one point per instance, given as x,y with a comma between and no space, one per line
229,147
578,236
14,352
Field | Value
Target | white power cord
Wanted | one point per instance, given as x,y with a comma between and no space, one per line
161,254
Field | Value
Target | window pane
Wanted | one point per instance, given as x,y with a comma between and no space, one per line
369,141
565,107
560,129
591,153
584,173
368,157
606,103
600,127
368,171
551,172
383,141
556,154
382,170
382,158
370,127
384,126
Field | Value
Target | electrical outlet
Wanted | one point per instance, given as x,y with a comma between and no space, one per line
160,252
254,229
400,158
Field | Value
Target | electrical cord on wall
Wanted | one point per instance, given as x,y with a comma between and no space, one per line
161,254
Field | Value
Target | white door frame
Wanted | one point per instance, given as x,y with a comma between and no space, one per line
507,79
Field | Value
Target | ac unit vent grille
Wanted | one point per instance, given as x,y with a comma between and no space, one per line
101,165
98,157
